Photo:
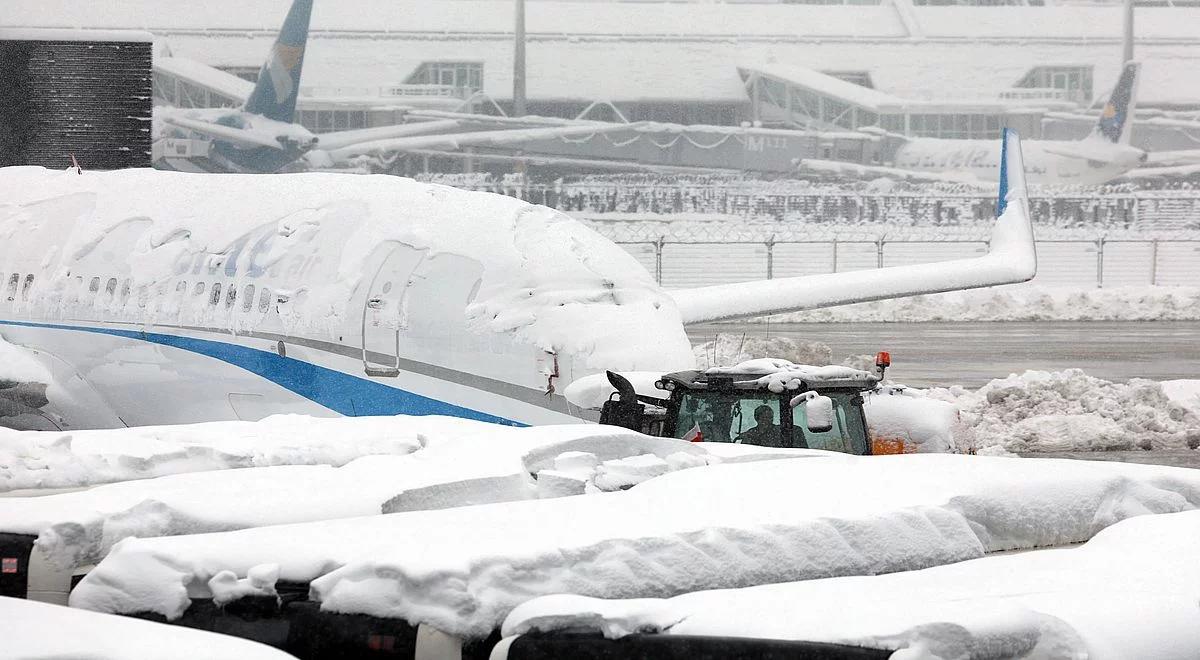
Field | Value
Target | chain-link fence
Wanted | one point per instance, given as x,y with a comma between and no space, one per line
1085,263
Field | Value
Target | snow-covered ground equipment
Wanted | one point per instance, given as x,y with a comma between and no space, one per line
767,402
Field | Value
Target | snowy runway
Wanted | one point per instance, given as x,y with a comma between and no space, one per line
972,353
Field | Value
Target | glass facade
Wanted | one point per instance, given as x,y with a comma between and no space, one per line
1074,81
465,75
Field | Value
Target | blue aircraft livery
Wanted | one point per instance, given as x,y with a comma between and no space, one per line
274,96
1116,111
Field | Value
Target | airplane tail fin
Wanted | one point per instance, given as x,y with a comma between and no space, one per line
1113,126
1011,258
275,94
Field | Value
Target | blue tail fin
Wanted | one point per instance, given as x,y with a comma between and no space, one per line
1012,170
274,96
1115,118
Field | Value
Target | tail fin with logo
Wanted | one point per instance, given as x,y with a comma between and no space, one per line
274,96
1117,114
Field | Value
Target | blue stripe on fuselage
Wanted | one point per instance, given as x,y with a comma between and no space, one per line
348,395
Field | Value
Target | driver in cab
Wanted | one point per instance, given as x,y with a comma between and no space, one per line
765,433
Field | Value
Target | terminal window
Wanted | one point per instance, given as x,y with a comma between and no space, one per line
468,75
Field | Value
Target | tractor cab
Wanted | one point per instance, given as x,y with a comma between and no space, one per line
767,402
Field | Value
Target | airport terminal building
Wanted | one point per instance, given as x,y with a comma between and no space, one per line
914,69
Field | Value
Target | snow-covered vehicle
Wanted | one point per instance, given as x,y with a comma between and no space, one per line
1073,602
768,402
429,584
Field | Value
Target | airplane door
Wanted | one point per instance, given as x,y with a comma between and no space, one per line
383,315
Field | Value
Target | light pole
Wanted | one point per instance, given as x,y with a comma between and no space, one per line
1128,42
518,109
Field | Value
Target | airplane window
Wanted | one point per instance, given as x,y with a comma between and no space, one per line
110,287
125,288
199,290
25,289
247,298
143,296
264,301
181,287
230,297
94,286
215,296
12,286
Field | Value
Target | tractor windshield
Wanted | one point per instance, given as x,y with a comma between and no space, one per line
754,418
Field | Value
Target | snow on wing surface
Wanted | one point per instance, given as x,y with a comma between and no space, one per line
1010,259
1130,592
722,526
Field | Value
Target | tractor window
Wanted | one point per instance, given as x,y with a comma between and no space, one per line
848,433
729,417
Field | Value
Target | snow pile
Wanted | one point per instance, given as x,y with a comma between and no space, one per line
728,348
1071,411
1130,592
17,365
916,421
722,526
33,459
458,463
23,384
1019,302
1184,392
39,630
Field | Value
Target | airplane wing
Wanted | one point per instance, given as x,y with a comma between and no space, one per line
243,138
340,139
1173,158
1100,152
477,138
1011,259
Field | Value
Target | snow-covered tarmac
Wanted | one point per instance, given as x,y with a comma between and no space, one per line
972,353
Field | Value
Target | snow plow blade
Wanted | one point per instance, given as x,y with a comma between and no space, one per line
1011,258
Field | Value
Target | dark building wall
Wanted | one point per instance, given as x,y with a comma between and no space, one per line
88,98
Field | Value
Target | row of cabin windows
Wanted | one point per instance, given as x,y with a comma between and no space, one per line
110,289
14,282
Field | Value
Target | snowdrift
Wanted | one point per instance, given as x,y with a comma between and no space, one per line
34,459
1130,592
38,630
449,462
1071,411
463,570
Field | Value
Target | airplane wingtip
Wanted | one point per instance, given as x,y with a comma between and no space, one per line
1012,171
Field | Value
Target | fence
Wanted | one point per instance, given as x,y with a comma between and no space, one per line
1102,262
1176,209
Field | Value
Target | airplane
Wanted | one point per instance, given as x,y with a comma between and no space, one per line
164,297
261,136
1100,157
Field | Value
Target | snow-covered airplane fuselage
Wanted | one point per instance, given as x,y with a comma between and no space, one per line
1045,161
162,297
1100,157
